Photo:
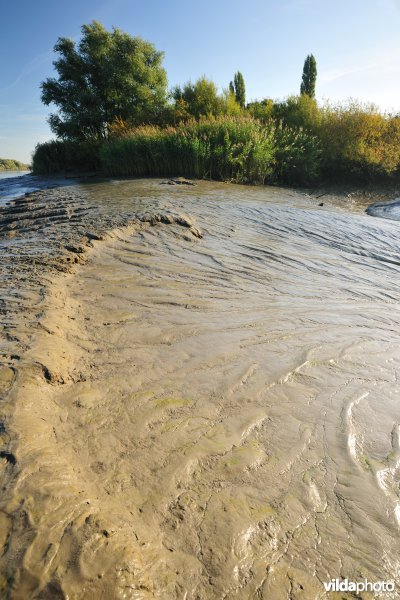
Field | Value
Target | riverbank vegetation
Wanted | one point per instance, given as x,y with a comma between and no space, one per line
8,164
116,115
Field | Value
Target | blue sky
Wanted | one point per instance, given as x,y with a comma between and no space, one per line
356,44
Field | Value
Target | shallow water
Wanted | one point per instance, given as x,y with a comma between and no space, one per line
14,184
386,210
12,174
229,421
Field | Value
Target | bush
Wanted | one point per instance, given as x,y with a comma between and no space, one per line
59,156
298,112
297,156
356,141
359,142
261,110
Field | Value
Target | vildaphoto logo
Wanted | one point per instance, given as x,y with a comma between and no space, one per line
344,585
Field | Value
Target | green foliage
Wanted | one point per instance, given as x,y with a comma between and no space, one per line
229,105
262,110
359,142
298,111
60,156
238,88
297,156
199,99
239,149
110,84
108,75
8,164
309,77
227,148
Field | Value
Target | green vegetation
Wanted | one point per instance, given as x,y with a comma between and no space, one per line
230,148
115,115
309,77
358,142
8,164
57,156
108,75
238,89
239,149
197,100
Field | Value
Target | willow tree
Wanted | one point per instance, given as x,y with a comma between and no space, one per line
309,77
107,75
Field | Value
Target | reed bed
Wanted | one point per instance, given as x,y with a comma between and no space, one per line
237,149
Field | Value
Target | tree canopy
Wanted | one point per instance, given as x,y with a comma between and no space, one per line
108,75
200,98
309,77
238,88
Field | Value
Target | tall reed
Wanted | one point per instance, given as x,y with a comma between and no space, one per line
239,149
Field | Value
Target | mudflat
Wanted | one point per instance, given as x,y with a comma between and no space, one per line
200,393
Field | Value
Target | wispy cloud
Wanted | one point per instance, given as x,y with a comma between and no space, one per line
335,74
30,67
387,64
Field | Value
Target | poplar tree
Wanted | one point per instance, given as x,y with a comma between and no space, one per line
309,77
238,88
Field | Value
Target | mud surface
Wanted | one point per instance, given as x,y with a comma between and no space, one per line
208,408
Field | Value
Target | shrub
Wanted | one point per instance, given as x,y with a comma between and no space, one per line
297,156
359,142
262,109
59,156
298,111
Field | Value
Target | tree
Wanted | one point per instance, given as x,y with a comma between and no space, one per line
200,98
230,106
238,88
309,77
108,75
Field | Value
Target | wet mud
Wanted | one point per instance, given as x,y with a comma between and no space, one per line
208,407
